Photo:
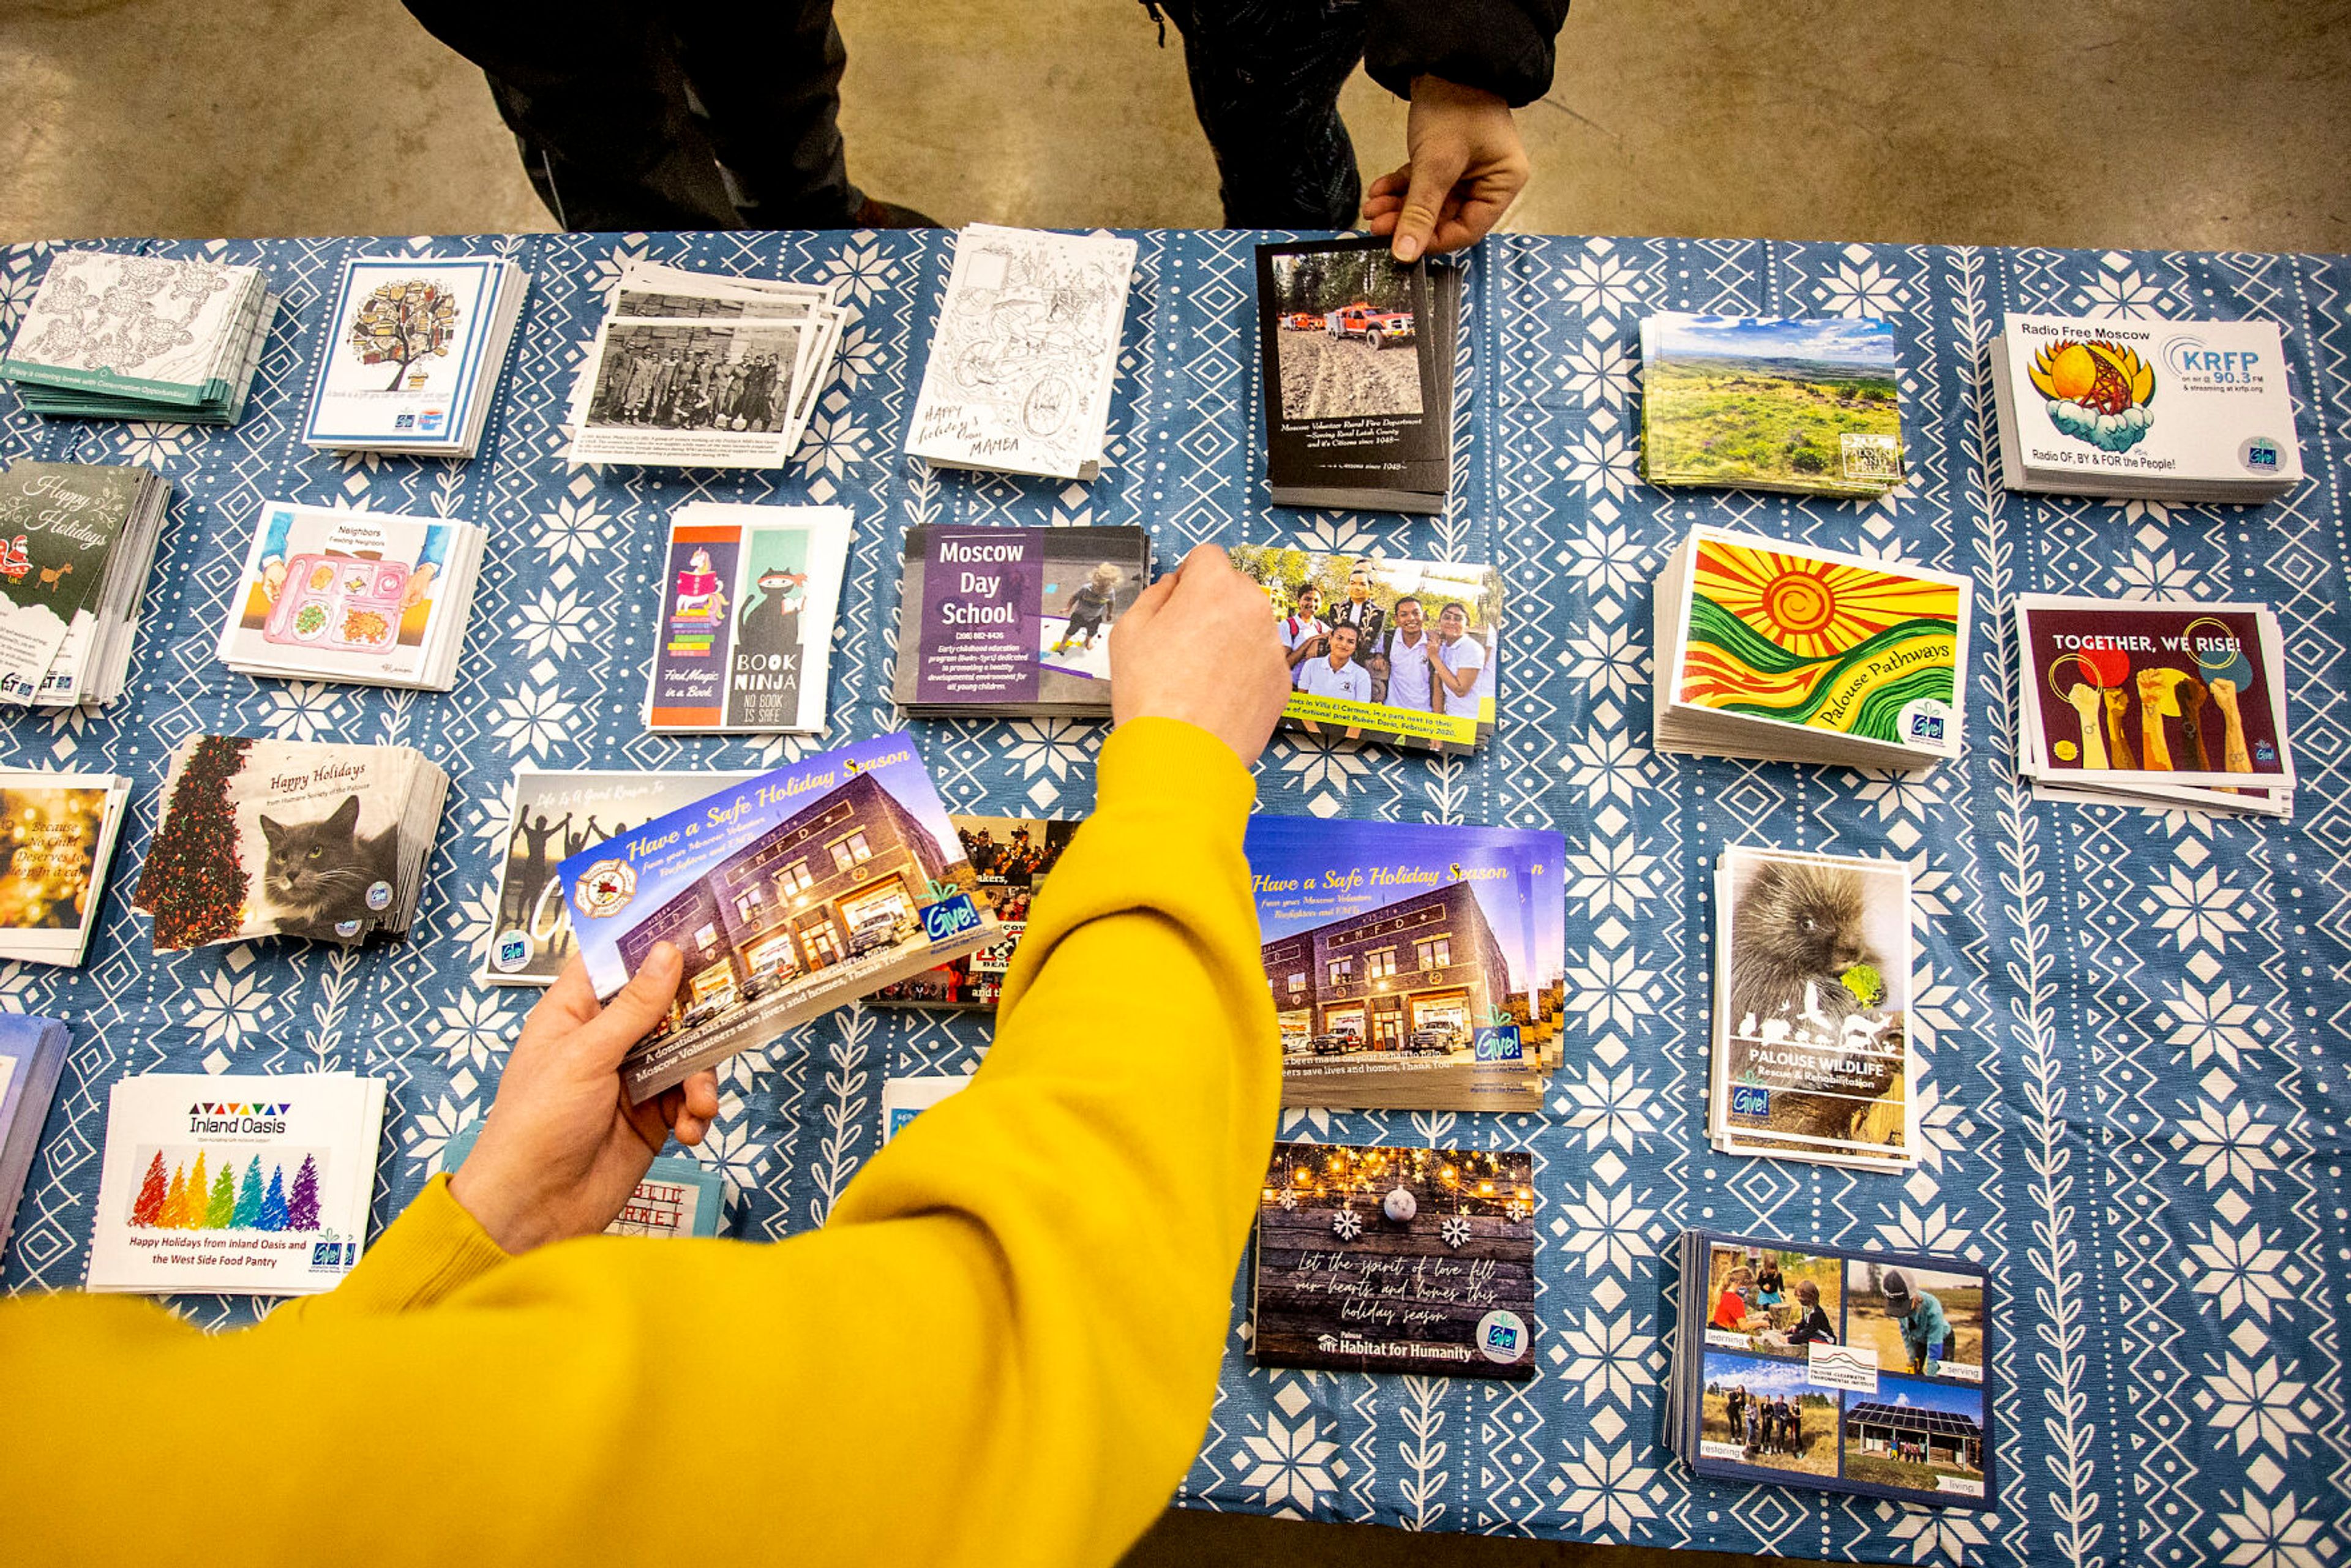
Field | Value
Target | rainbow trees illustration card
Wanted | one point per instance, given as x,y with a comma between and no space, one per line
2187,701
236,1185
1795,653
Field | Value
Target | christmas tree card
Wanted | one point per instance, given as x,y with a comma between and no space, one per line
234,1186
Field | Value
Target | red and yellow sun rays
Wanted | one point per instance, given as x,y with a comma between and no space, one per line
1814,608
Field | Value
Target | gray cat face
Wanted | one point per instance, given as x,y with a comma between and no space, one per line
314,864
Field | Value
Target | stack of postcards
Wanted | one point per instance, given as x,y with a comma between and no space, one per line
1793,653
75,542
1000,622
1840,1370
61,829
360,597
263,838
743,638
2172,411
1812,1049
247,1185
692,370
2159,706
1026,349
412,355
1808,405
1356,356
139,337
32,1060
552,814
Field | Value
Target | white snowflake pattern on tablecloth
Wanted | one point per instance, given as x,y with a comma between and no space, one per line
2134,1023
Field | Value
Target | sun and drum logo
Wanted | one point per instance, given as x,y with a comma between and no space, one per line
2098,391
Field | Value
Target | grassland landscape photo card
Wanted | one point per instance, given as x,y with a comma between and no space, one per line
1748,403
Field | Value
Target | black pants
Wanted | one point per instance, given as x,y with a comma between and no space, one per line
666,114
1264,77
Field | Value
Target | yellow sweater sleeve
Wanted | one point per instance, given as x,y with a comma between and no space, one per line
1001,1348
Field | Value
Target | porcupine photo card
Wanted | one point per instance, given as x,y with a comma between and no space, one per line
1812,1019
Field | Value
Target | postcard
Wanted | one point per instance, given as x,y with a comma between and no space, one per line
1405,652
1812,1053
1842,1370
361,596
1412,965
1011,858
1007,620
2148,692
745,639
1358,377
787,895
408,354
554,815
1771,646
236,1185
60,830
59,524
1771,403
1025,353
677,1196
1373,1258
904,1099
287,838
705,392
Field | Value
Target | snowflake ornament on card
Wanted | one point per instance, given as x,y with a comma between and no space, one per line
1454,1229
1346,1225
1286,1199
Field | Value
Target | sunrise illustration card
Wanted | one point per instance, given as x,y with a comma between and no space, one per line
1798,653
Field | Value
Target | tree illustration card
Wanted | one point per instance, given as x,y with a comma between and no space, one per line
1396,1259
240,1185
404,356
2117,691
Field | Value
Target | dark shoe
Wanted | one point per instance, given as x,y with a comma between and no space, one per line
873,214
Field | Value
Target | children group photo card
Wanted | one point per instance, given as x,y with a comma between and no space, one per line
1405,652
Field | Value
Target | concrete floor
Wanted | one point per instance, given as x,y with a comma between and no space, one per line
2093,124
2098,122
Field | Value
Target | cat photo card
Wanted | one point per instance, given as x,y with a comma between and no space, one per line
265,838
1811,1056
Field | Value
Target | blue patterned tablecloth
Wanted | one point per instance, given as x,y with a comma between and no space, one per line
2137,1022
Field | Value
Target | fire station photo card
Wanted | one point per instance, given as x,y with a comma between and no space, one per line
1412,965
787,895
